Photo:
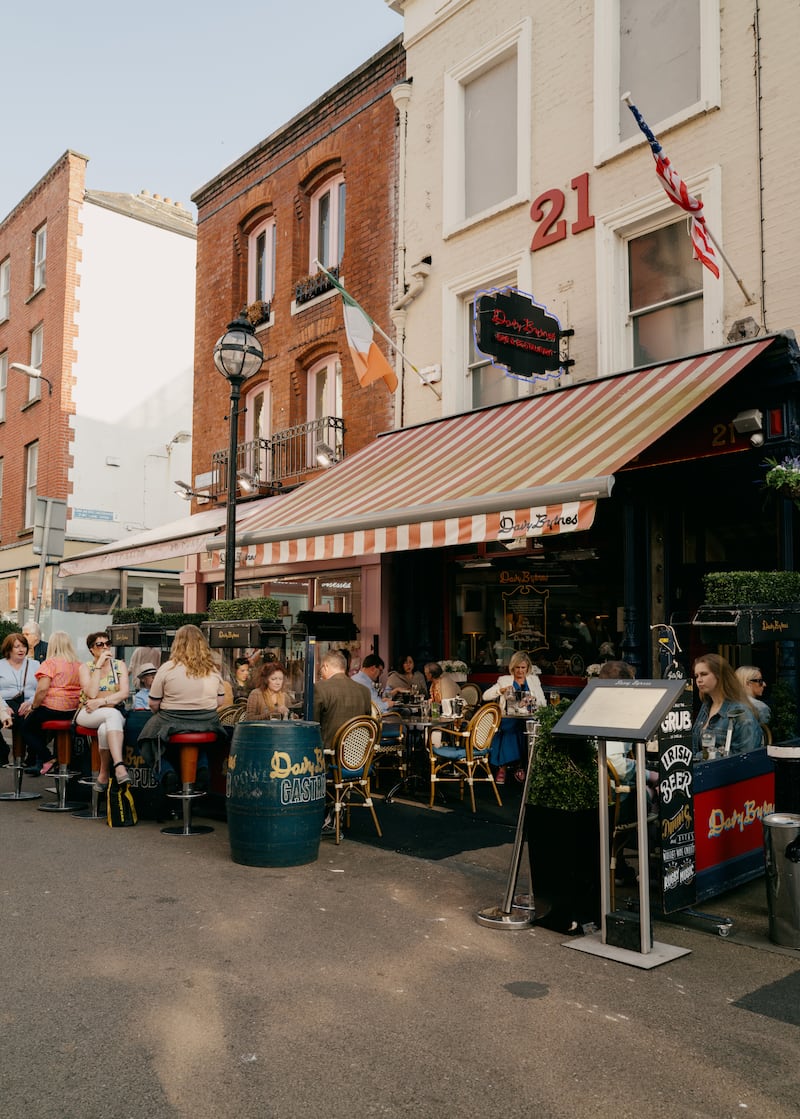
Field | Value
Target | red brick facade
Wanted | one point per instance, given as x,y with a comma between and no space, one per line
351,131
54,201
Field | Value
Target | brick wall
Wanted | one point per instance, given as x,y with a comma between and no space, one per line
351,129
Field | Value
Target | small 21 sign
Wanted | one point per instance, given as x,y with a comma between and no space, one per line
518,334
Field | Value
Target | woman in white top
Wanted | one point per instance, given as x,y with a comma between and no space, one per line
508,746
104,689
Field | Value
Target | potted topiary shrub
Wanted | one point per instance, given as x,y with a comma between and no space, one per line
746,607
562,826
239,623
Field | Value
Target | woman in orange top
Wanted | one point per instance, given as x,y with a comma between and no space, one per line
269,698
58,689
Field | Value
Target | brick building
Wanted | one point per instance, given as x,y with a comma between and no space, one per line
323,187
85,281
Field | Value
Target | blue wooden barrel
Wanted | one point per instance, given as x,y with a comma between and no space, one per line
275,793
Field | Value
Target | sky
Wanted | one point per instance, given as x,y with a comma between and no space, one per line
163,96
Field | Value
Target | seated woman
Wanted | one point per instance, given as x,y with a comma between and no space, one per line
242,679
754,685
406,678
725,711
57,695
17,681
508,746
184,696
104,687
269,698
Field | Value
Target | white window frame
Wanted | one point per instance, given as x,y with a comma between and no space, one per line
31,480
3,384
607,143
332,404
335,185
40,258
516,39
267,229
264,430
612,231
5,289
514,271
37,353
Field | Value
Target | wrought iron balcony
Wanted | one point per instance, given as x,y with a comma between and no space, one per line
267,465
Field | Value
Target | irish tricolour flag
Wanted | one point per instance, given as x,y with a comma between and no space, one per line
369,362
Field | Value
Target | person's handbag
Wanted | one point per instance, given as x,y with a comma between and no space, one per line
120,806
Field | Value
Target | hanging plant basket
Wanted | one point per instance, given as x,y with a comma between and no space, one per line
784,478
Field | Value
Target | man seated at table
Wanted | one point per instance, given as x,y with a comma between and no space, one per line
369,674
441,684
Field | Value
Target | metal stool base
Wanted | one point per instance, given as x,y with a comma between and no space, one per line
18,793
187,828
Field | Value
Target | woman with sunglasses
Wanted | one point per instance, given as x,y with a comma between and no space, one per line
104,689
754,684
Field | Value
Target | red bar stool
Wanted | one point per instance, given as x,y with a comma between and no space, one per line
93,812
62,728
189,743
18,765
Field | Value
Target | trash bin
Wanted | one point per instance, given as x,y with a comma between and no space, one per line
786,759
275,793
782,858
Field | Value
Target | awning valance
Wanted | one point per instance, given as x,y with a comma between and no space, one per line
525,468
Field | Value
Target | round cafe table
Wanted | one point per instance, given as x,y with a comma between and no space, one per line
418,733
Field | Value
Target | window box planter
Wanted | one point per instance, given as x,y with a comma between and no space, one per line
138,633
747,625
244,634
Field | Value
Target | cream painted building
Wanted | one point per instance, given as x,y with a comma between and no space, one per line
523,167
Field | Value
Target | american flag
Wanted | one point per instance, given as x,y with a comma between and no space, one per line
678,191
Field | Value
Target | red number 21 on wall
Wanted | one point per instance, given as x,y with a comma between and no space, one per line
554,227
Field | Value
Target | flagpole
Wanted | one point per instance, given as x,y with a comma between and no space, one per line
339,287
626,98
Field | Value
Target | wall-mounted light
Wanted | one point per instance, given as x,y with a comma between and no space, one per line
34,374
184,491
248,483
750,422
179,437
325,455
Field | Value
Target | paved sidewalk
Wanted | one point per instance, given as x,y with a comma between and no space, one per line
151,976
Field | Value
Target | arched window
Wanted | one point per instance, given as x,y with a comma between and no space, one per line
324,407
327,223
261,262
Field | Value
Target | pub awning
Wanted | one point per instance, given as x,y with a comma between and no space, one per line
525,468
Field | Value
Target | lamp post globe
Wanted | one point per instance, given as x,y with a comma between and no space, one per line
238,356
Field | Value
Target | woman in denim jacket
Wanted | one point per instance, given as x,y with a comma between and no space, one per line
725,709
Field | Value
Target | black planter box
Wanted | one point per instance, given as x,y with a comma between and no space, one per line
747,625
137,633
245,634
328,626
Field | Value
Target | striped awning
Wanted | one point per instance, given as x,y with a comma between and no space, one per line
525,468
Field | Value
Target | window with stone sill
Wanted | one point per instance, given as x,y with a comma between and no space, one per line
261,257
37,351
31,474
5,289
3,384
327,224
39,258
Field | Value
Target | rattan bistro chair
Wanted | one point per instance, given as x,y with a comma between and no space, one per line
390,749
472,696
463,754
349,773
622,820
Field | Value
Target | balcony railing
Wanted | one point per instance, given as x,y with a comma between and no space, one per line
263,465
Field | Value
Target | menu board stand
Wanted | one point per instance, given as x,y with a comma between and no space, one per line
630,710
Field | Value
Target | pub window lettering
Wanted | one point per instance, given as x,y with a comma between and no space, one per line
549,207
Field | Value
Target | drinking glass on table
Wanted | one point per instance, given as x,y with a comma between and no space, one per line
555,698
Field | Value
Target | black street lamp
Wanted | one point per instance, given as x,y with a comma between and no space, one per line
238,356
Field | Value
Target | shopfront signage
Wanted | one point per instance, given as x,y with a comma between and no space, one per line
676,822
519,335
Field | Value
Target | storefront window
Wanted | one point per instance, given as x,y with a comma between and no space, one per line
558,605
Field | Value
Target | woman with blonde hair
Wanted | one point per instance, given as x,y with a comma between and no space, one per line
57,695
508,745
184,696
104,689
754,684
725,709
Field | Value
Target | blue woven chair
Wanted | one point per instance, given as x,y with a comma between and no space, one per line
463,755
349,773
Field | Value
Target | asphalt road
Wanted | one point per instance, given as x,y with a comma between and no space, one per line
146,975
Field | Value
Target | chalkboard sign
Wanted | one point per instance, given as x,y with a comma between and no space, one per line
676,805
